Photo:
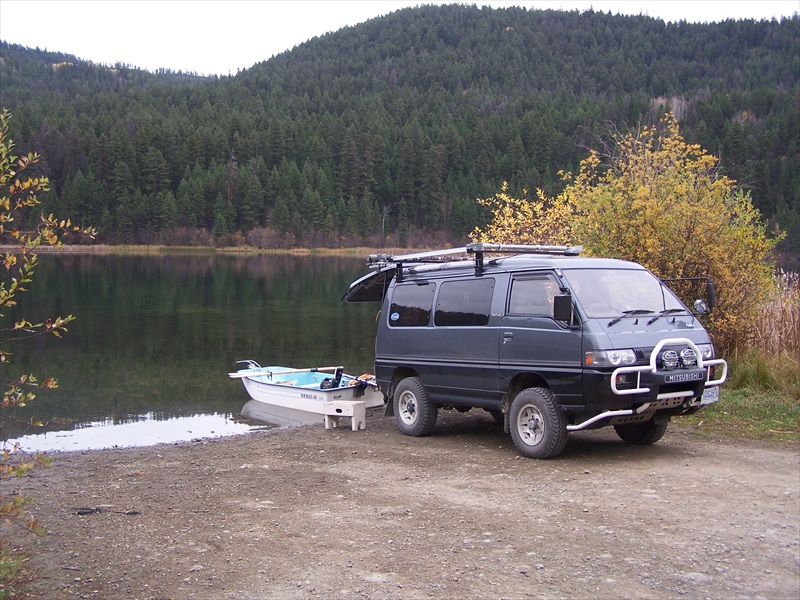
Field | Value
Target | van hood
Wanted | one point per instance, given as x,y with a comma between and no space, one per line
636,333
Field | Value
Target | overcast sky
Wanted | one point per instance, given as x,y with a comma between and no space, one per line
223,37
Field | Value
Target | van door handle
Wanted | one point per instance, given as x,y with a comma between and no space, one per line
508,336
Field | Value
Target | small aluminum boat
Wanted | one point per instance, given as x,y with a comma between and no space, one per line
286,396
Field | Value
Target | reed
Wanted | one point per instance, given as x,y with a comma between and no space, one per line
761,398
776,331
772,360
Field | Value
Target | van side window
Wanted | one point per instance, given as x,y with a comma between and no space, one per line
464,303
411,305
533,296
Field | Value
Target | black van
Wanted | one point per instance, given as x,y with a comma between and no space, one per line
547,341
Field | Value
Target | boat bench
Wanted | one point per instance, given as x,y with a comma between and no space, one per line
355,409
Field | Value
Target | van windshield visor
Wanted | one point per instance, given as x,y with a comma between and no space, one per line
617,293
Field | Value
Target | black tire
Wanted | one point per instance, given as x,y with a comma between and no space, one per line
413,411
642,434
538,425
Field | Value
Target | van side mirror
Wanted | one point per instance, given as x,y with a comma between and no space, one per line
562,308
700,307
704,307
711,295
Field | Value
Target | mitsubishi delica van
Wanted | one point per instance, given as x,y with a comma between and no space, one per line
545,340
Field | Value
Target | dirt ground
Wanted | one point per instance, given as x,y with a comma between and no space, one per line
310,513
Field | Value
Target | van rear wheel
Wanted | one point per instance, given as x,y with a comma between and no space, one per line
538,425
642,434
413,410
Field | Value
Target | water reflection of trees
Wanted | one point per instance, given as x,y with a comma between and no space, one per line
159,333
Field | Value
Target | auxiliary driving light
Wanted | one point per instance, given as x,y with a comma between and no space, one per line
669,360
688,357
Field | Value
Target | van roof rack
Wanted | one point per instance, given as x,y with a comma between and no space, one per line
476,250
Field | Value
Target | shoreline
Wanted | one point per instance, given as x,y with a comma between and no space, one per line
355,251
777,444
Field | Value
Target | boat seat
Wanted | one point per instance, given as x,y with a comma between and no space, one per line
355,409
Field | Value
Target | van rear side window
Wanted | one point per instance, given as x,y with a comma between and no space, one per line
464,303
411,305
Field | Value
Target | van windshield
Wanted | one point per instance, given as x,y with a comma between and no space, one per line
617,292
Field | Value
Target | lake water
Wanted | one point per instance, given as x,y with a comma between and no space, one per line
147,358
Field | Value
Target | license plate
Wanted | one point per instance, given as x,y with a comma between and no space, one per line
681,377
710,395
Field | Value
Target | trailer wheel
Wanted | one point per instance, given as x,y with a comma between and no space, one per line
413,410
538,425
642,434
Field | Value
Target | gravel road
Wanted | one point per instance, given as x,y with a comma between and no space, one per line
310,513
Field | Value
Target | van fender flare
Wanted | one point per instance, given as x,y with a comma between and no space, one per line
506,408
388,397
520,382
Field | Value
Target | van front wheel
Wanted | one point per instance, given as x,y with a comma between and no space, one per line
642,434
413,411
538,425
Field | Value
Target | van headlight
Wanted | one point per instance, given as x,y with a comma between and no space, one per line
610,358
706,351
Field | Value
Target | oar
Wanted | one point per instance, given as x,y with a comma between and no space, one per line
239,374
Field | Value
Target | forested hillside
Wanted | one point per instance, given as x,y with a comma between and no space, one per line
390,130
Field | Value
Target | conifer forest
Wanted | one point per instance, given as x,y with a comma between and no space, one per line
387,132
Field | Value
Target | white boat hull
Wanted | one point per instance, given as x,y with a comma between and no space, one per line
279,415
279,399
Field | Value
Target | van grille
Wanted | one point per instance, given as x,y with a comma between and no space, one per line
643,356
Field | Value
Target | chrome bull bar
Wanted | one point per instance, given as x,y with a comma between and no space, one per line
651,368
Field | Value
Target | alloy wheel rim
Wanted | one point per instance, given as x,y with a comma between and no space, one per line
530,425
408,408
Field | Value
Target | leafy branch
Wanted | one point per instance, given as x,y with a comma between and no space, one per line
19,191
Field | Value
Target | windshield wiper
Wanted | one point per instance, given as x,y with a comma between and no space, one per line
630,313
663,313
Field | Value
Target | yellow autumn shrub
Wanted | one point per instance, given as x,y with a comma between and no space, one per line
522,221
661,202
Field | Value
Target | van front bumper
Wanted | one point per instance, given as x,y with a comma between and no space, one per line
648,378
635,393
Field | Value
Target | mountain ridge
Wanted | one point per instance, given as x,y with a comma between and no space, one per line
396,125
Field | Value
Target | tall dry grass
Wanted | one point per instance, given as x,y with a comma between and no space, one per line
772,362
777,330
